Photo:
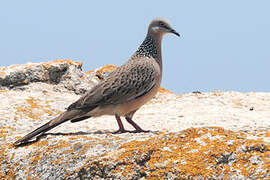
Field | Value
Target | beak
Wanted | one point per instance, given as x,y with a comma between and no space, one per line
174,32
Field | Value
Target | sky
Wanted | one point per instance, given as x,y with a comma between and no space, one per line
224,45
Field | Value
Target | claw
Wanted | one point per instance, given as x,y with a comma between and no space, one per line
120,131
140,131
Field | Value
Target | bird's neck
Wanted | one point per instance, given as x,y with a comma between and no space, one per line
151,47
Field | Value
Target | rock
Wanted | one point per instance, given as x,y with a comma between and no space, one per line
203,153
202,135
65,73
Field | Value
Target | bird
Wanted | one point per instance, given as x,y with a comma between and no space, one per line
124,90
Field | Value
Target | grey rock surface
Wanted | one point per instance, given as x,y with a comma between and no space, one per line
197,135
65,73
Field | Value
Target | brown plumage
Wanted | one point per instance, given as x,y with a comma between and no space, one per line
124,90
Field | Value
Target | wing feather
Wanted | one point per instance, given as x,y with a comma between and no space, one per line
130,81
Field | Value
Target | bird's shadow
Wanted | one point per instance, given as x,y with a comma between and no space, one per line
79,133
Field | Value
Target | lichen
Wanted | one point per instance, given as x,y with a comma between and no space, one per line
163,90
47,65
195,152
34,108
106,68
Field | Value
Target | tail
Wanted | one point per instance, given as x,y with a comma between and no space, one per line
68,115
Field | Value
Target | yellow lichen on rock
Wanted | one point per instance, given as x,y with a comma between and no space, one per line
4,148
89,150
196,152
34,109
163,90
106,68
47,65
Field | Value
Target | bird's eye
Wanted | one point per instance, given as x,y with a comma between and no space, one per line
161,24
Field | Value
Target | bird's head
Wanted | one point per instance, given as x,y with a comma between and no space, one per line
161,26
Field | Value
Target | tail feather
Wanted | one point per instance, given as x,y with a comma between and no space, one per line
79,119
48,126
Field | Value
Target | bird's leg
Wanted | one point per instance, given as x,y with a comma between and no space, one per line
138,129
121,126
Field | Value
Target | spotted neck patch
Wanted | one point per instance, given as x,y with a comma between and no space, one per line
147,49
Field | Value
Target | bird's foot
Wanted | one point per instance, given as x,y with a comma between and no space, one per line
120,131
139,131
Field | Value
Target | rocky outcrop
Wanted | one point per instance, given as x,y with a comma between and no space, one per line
218,134
66,73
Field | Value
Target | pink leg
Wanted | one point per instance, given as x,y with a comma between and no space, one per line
138,128
121,126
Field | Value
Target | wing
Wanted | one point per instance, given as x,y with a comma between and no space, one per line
130,81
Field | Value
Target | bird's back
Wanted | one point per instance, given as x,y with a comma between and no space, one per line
127,84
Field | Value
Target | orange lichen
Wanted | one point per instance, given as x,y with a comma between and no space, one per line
163,90
35,159
89,72
2,73
34,109
47,65
41,143
4,130
106,68
58,160
195,152
4,148
186,154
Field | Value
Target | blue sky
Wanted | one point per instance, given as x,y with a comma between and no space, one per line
225,45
